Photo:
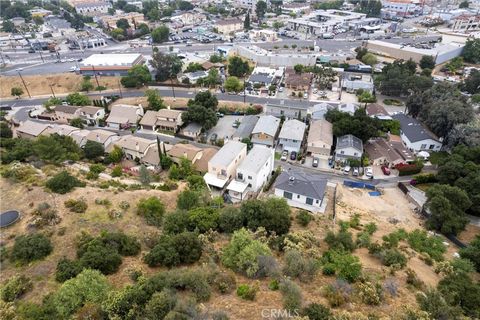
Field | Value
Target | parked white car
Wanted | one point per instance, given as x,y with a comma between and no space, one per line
346,170
369,172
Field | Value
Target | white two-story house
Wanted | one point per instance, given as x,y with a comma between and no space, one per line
91,114
291,135
223,165
348,147
252,173
305,191
415,135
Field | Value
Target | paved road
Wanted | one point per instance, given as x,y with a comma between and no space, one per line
179,93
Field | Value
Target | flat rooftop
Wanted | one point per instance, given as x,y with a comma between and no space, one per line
113,59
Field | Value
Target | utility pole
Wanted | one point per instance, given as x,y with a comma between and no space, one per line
244,92
51,88
173,89
95,75
24,84
41,55
120,89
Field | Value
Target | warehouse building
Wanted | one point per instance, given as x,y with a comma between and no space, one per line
110,64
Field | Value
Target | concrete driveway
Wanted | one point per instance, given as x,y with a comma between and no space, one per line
322,163
224,128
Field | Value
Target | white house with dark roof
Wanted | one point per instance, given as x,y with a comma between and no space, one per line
415,135
291,135
265,131
223,165
348,147
305,191
252,173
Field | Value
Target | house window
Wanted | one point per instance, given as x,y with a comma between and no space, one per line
249,177
240,176
223,172
432,146
298,196
287,195
316,201
309,201
342,152
355,153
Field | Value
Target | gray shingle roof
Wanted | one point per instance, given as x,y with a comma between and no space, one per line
311,185
268,125
245,128
260,78
413,129
349,140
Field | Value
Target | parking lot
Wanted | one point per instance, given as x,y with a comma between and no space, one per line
224,128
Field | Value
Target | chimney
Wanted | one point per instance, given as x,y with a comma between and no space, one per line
168,107
137,147
98,138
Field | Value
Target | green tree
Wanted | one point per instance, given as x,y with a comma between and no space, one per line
471,51
166,65
370,59
272,214
144,175
67,269
188,199
194,66
52,102
205,99
116,155
463,4
427,62
371,7
160,304
8,26
160,34
77,122
231,219
172,250
201,115
246,22
15,287
471,84
447,207
86,84
316,311
93,150
5,131
433,302
454,64
152,209
30,247
16,91
88,286
155,102
299,68
63,183
203,219
232,84
137,77
123,24
56,148
472,252
77,99
242,253
261,9
459,289
238,67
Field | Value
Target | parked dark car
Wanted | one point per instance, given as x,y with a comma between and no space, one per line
315,162
293,155
385,170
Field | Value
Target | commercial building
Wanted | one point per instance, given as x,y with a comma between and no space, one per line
110,64
229,26
264,57
133,18
92,7
401,8
441,52
295,8
466,23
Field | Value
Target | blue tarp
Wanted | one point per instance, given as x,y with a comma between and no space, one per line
358,184
374,193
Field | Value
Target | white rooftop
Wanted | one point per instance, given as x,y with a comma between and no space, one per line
256,159
111,59
227,153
